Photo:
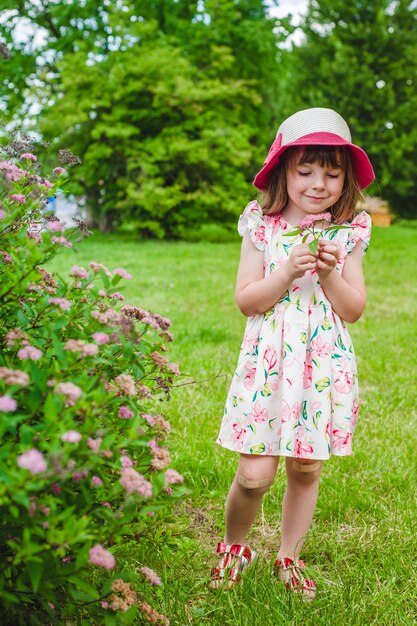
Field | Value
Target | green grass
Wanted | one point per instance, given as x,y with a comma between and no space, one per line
362,546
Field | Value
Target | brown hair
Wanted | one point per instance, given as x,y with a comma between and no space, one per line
275,197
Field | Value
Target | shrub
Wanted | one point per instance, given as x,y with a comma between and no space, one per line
83,460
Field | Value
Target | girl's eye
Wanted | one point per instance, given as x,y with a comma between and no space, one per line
304,173
333,175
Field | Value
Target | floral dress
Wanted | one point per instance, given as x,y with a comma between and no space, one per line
295,389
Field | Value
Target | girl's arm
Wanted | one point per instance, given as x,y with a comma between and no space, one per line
256,294
346,292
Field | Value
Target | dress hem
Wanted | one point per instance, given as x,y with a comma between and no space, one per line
284,454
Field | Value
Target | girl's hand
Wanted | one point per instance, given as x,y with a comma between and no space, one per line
300,261
328,256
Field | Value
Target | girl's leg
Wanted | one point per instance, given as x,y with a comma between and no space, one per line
253,478
298,505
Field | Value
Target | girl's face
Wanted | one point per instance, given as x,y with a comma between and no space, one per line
313,188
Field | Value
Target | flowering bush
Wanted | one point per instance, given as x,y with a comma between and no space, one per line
82,458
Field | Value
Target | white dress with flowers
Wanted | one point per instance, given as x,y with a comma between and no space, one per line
295,389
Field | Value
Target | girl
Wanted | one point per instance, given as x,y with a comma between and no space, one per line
295,390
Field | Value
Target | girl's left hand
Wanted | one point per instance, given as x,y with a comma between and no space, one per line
328,256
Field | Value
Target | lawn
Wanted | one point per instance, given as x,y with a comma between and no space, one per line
363,543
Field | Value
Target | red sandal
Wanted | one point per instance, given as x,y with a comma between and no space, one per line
295,579
236,559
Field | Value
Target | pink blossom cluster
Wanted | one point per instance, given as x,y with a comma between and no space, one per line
160,456
14,377
153,319
126,461
123,596
172,477
115,296
62,241
29,352
126,384
119,271
13,172
71,436
151,615
151,576
133,482
59,170
33,461
18,197
63,303
309,220
7,404
94,444
101,556
78,272
55,226
16,334
96,481
125,412
101,338
105,316
85,349
70,391
96,267
6,257
28,156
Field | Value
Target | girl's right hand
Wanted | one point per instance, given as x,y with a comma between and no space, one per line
300,261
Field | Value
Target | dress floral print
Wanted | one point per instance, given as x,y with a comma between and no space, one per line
295,389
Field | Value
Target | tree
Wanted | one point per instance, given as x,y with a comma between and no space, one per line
167,103
361,59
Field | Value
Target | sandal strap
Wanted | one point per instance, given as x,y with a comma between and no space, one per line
295,567
235,549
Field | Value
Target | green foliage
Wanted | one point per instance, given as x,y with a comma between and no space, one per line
167,103
361,59
82,457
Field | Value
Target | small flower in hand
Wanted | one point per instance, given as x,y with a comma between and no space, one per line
307,226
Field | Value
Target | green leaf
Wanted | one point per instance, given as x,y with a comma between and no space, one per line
313,245
322,384
35,569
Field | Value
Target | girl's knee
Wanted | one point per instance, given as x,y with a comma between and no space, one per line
255,475
304,470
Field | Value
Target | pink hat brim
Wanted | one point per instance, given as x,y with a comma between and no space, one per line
363,168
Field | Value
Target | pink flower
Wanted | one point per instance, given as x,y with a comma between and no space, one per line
29,157
63,304
342,441
126,384
33,461
96,267
106,504
249,379
302,449
126,461
70,391
90,349
308,371
78,272
343,380
270,357
55,226
101,338
151,576
94,444
320,348
14,377
96,481
174,368
59,170
173,477
258,414
2,214
29,352
71,436
238,436
125,412
309,220
148,418
116,296
259,234
101,556
18,197
119,271
133,482
7,404
61,241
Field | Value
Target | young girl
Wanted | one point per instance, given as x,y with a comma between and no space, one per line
295,390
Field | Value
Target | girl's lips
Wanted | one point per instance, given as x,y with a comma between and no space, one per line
315,197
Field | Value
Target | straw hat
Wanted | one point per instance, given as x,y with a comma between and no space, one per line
315,127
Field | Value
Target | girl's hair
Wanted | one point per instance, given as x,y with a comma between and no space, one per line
275,197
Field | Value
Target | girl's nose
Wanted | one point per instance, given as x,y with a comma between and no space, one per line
318,182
